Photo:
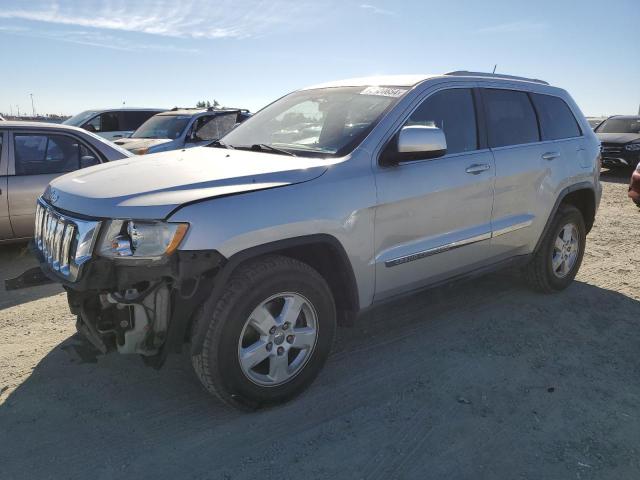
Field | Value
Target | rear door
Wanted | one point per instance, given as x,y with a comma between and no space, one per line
38,158
5,225
522,173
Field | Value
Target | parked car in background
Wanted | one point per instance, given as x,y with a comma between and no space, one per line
634,186
255,248
112,123
31,155
182,128
620,138
595,121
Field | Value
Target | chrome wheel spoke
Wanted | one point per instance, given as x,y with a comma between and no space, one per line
556,262
254,354
262,320
278,368
291,310
304,337
559,244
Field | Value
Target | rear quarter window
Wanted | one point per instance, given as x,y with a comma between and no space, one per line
556,118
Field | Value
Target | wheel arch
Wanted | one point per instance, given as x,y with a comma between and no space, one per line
322,252
580,195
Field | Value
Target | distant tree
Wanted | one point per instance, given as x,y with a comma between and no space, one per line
208,104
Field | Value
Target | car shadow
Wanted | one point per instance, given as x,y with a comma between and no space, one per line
616,175
15,259
463,361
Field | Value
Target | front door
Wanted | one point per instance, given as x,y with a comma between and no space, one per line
433,218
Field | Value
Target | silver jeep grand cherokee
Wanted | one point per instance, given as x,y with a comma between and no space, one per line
330,200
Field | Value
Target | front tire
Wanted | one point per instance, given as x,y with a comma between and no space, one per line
557,261
268,335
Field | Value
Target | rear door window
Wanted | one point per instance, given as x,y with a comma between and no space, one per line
105,122
511,119
453,112
556,119
45,154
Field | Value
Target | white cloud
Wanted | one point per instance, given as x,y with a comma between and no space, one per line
180,19
377,10
515,27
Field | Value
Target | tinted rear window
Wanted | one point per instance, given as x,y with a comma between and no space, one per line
556,119
510,117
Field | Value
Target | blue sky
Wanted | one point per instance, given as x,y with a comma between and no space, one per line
74,55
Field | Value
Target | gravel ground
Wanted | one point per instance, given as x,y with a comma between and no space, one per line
480,380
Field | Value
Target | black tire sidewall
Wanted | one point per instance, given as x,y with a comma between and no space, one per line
226,360
567,215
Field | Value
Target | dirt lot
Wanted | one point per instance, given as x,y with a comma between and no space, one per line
481,380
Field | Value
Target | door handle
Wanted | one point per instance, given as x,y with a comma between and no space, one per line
477,168
550,155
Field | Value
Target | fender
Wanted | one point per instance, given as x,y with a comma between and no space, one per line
222,277
563,194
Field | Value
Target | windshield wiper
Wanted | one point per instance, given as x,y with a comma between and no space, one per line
268,148
219,144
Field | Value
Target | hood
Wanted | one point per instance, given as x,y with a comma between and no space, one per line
138,143
152,186
621,138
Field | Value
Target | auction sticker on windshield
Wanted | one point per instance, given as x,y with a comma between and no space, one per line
384,91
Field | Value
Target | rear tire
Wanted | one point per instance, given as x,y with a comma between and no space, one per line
247,325
557,261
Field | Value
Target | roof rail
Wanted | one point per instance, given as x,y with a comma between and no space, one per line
465,73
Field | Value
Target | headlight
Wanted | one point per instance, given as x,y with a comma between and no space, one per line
133,238
632,147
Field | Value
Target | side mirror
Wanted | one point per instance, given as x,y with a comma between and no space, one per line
88,161
416,143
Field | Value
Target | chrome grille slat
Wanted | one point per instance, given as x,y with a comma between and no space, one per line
65,243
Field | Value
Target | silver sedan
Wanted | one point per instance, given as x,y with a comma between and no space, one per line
31,155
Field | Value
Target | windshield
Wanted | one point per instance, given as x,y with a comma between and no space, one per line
319,122
162,126
79,119
620,125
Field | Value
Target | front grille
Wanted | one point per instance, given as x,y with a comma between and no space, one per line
65,243
611,148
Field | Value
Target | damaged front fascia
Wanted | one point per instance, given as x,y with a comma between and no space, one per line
190,274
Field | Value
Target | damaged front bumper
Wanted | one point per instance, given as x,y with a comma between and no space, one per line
134,306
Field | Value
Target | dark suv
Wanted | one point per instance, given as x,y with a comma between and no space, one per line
620,137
